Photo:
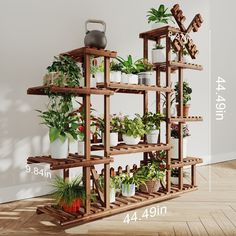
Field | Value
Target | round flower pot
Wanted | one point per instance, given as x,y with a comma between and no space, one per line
81,148
115,76
185,109
124,78
74,207
58,149
145,78
172,111
150,186
112,195
99,76
175,147
113,139
128,190
131,140
132,79
158,55
152,136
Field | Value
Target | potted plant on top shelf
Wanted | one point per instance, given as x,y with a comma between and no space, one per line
186,56
144,71
115,73
159,17
158,54
129,70
132,130
69,194
187,91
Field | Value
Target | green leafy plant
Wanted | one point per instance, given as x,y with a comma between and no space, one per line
175,173
66,191
69,72
159,15
175,131
115,181
133,127
128,65
143,65
172,99
187,91
128,179
158,46
114,66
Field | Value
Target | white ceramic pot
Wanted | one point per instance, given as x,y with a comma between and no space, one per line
124,78
158,25
115,76
128,190
112,195
73,146
145,78
132,79
174,180
158,55
152,136
81,148
172,111
175,149
113,139
131,140
99,76
58,149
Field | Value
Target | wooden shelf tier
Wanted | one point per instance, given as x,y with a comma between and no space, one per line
188,161
133,88
79,53
178,64
121,204
186,119
78,91
127,149
73,160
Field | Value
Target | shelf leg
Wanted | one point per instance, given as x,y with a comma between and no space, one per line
193,175
145,109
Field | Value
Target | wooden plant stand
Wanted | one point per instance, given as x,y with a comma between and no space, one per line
103,208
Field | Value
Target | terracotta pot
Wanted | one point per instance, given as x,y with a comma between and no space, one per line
185,109
74,207
150,186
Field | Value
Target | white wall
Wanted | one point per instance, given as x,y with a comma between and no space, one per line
32,32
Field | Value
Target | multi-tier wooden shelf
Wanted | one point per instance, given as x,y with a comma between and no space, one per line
103,208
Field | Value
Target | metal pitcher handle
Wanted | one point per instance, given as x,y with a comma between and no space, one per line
96,22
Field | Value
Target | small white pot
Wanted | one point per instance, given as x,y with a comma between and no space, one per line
112,195
131,140
58,149
132,79
115,76
124,78
81,148
158,25
175,149
128,190
172,111
158,55
175,180
73,146
113,139
99,76
152,136
145,78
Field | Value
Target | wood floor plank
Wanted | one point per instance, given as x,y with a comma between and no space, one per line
197,229
181,229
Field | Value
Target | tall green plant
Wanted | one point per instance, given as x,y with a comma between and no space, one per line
128,65
187,91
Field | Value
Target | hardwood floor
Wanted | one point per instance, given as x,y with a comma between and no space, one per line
209,211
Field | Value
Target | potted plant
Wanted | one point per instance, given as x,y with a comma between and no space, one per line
69,194
158,54
175,140
172,101
132,130
99,74
159,17
152,122
152,175
186,56
115,73
61,123
129,70
64,71
175,176
187,91
115,127
145,71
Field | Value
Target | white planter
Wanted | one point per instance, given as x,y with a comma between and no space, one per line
99,76
58,149
81,148
175,149
172,111
128,190
113,139
73,146
115,76
132,79
158,25
152,136
112,195
124,78
145,78
175,180
158,55
131,140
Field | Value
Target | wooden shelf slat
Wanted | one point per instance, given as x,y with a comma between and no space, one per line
186,119
186,162
178,64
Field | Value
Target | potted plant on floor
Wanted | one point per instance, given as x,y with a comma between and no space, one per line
175,140
187,91
69,194
132,130
144,71
115,73
152,122
159,17
158,54
152,175
129,70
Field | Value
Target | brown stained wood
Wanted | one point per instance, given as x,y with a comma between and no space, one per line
145,110
185,119
193,175
178,64
186,162
99,190
145,47
179,17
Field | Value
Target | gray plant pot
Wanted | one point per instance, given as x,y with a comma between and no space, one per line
144,78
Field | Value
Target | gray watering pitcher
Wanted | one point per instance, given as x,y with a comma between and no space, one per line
95,38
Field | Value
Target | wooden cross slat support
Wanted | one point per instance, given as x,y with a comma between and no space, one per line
97,185
179,17
195,24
